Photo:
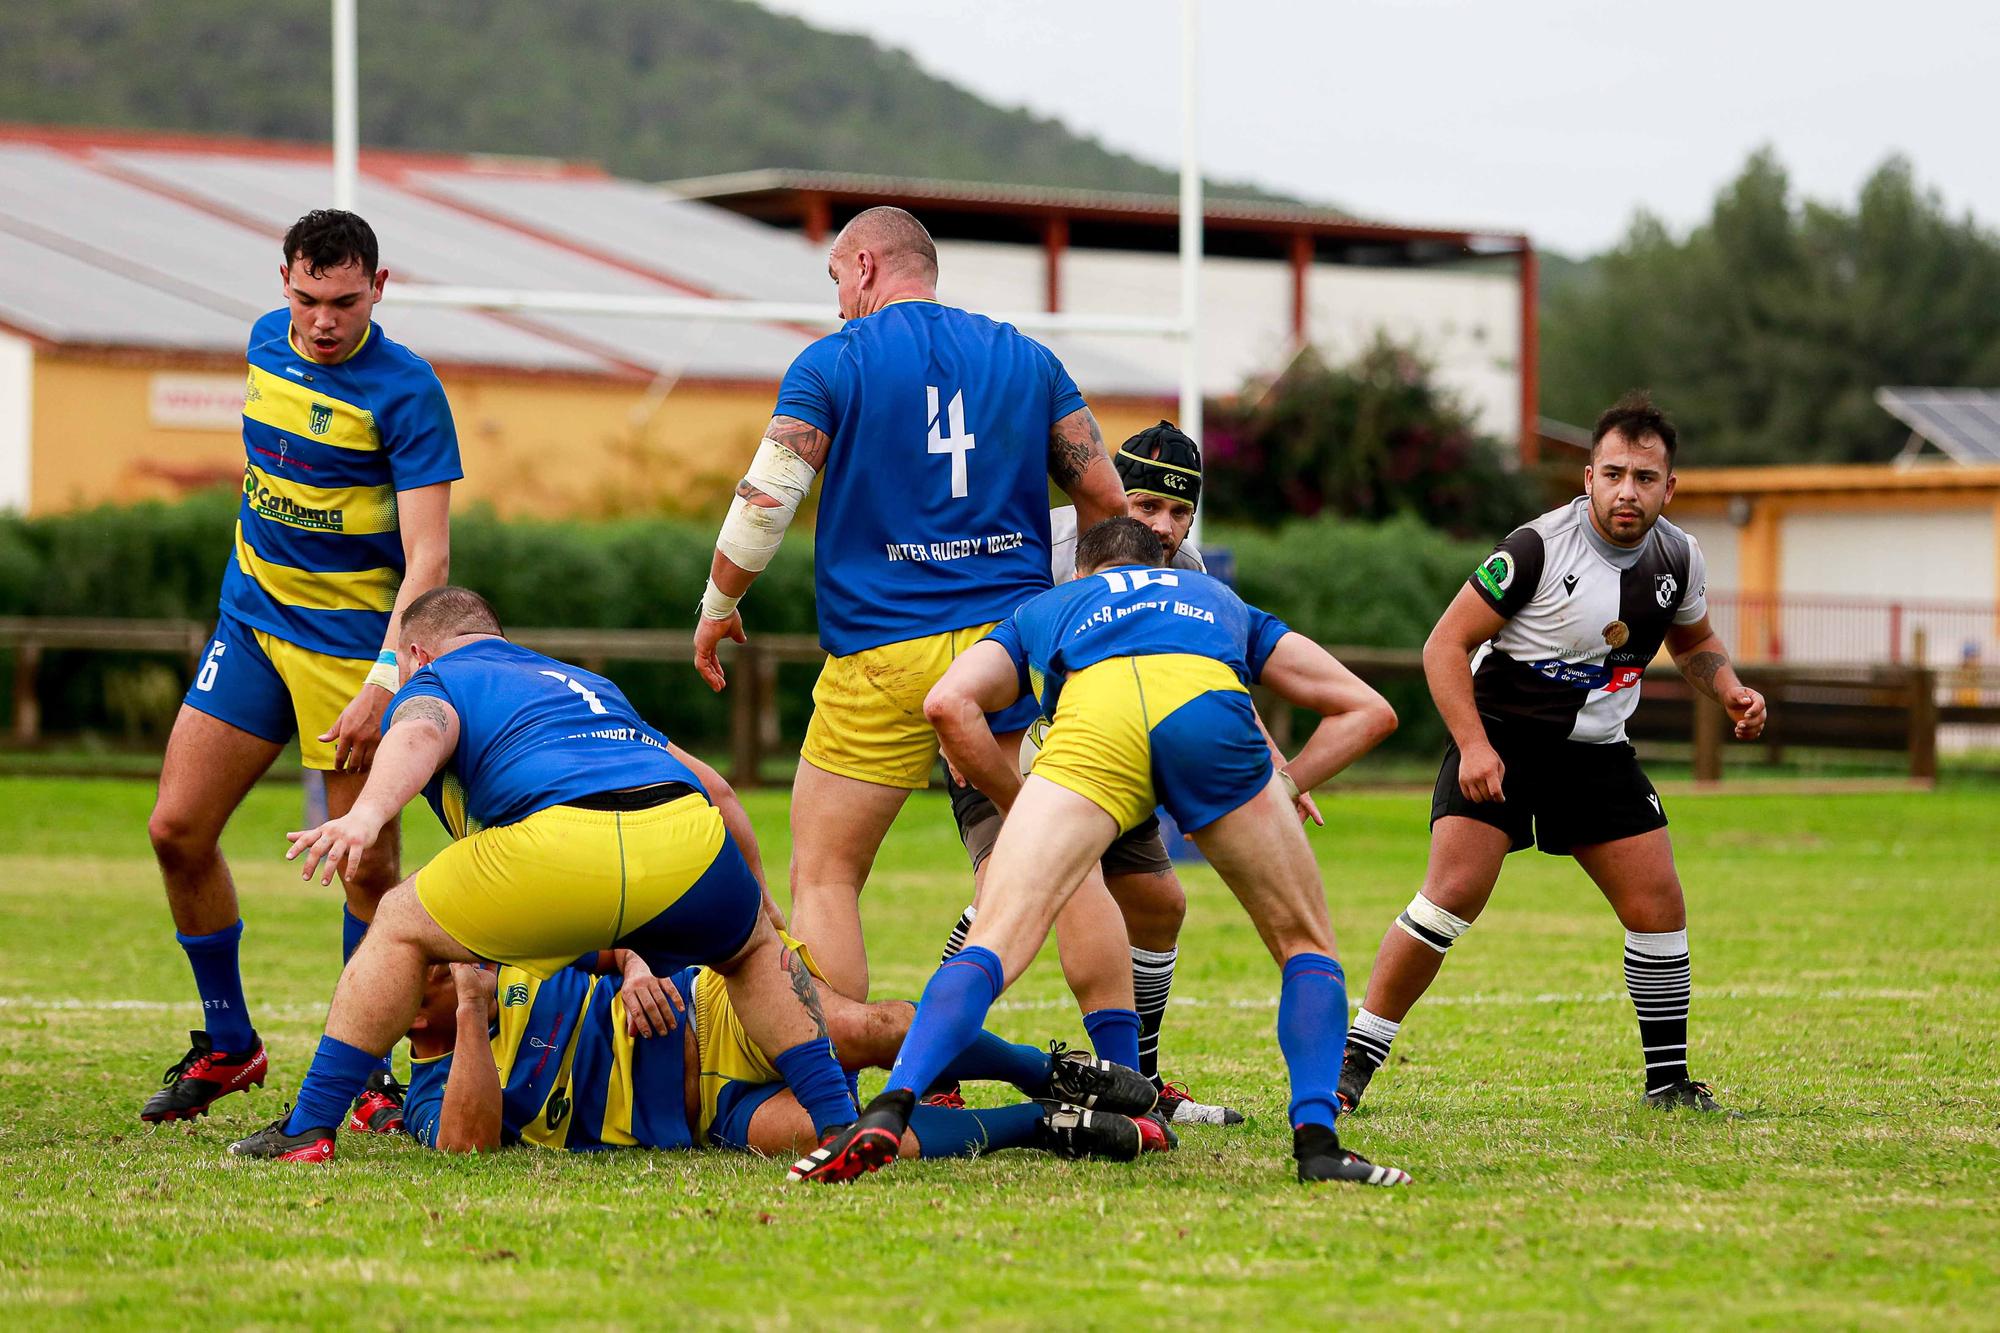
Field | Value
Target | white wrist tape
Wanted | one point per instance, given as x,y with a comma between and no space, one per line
717,604
752,532
1291,784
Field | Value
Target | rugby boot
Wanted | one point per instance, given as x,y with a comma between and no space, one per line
947,1099
1081,1079
1319,1155
1155,1134
204,1074
272,1143
1687,1094
869,1144
1180,1108
379,1108
1073,1132
1354,1076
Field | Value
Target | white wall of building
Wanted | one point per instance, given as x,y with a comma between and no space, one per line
1467,323
1943,554
1717,537
17,422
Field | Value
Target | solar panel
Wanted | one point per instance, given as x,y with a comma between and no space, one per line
1964,423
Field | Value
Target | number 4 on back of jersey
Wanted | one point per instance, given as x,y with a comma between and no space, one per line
958,444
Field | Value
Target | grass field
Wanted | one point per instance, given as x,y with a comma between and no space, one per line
1846,982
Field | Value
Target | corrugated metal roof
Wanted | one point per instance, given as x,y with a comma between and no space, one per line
120,243
1964,423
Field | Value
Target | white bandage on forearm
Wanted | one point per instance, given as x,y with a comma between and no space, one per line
1430,925
752,532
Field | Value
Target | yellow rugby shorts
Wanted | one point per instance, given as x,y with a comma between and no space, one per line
562,882
868,709
1106,738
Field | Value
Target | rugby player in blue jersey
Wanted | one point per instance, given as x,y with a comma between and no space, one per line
1144,674
577,828
934,432
349,455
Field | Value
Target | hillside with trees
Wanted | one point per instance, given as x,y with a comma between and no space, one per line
658,90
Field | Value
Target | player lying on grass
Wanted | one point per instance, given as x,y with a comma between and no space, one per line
1563,619
585,1061
577,826
1144,674
1161,470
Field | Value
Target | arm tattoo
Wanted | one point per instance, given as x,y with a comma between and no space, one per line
1701,669
808,442
423,708
803,987
1073,446
755,495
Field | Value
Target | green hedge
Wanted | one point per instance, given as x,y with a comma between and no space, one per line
1342,582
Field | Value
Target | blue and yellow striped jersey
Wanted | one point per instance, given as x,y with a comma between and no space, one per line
570,1075
318,555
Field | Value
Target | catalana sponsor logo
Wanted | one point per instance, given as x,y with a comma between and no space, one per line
269,504
1497,574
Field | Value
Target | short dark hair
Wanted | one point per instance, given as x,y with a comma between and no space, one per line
1119,541
329,238
448,610
1635,416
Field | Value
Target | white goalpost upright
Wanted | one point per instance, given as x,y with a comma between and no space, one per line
1184,327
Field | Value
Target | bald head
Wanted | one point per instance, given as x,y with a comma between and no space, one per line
882,255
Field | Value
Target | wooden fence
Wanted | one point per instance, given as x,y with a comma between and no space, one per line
1886,708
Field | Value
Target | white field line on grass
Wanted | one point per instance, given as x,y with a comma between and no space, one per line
1502,999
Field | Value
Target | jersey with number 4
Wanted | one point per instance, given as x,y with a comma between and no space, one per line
1584,617
1133,611
933,510
532,732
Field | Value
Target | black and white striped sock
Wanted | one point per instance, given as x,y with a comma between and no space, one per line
1152,979
1368,1038
1660,981
956,940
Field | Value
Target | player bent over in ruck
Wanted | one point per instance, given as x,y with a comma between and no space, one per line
578,828
1564,618
1144,673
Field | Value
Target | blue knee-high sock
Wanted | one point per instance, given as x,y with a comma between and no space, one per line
332,1083
819,1083
220,982
991,1057
950,1015
1312,1033
352,928
943,1132
1114,1035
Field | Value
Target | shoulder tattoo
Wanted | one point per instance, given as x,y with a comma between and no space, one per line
423,708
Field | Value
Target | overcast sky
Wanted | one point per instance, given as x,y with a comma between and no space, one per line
1557,117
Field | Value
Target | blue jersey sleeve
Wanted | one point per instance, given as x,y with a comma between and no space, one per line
810,388
1265,631
1064,396
420,438
424,685
1008,635
423,1101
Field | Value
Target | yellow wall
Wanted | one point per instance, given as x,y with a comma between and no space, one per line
540,446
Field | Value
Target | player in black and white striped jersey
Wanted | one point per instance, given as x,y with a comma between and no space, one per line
1561,621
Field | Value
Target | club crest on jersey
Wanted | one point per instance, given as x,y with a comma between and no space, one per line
1664,588
1496,574
1616,633
322,421
517,994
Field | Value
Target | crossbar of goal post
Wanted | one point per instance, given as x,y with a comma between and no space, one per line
1183,328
